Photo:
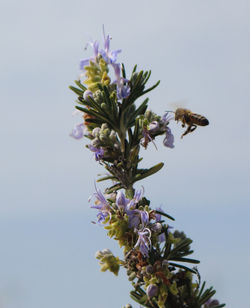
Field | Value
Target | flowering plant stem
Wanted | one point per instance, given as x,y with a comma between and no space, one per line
155,255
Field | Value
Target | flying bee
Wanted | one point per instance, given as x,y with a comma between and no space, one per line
191,119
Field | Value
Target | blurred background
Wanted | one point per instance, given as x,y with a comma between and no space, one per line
200,52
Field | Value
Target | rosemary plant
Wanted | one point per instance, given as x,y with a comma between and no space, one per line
156,257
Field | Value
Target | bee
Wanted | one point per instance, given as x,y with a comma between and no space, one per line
191,119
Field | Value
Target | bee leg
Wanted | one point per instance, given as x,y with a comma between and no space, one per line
193,127
187,131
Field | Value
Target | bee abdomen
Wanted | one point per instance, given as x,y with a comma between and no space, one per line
199,119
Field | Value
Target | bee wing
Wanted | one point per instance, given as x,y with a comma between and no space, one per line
178,104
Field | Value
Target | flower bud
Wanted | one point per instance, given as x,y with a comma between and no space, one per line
103,137
157,227
104,126
149,269
112,135
98,254
103,106
106,132
165,263
95,142
87,94
132,276
96,131
152,290
98,96
106,251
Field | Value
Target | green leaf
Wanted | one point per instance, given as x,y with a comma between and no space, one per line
147,78
76,90
114,188
106,178
148,172
202,288
187,260
151,88
134,69
164,214
95,121
123,71
95,114
80,85
183,267
206,295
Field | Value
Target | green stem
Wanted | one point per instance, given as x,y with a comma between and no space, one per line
130,192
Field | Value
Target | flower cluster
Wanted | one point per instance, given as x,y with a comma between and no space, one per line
155,255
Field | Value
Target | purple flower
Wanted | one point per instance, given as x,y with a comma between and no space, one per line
137,217
110,56
121,200
152,290
162,237
122,87
101,204
137,197
101,216
144,242
99,152
77,131
147,137
166,118
133,219
169,139
84,62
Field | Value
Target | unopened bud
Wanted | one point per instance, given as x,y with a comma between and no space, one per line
96,131
149,269
98,254
106,251
103,106
87,94
104,126
95,142
152,290
132,276
165,263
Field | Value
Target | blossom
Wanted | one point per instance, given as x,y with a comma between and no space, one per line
152,290
101,204
144,242
99,152
137,217
169,139
122,87
153,127
121,200
110,56
166,118
137,197
77,131
84,62
87,94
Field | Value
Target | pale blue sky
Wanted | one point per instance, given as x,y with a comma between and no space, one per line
200,52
